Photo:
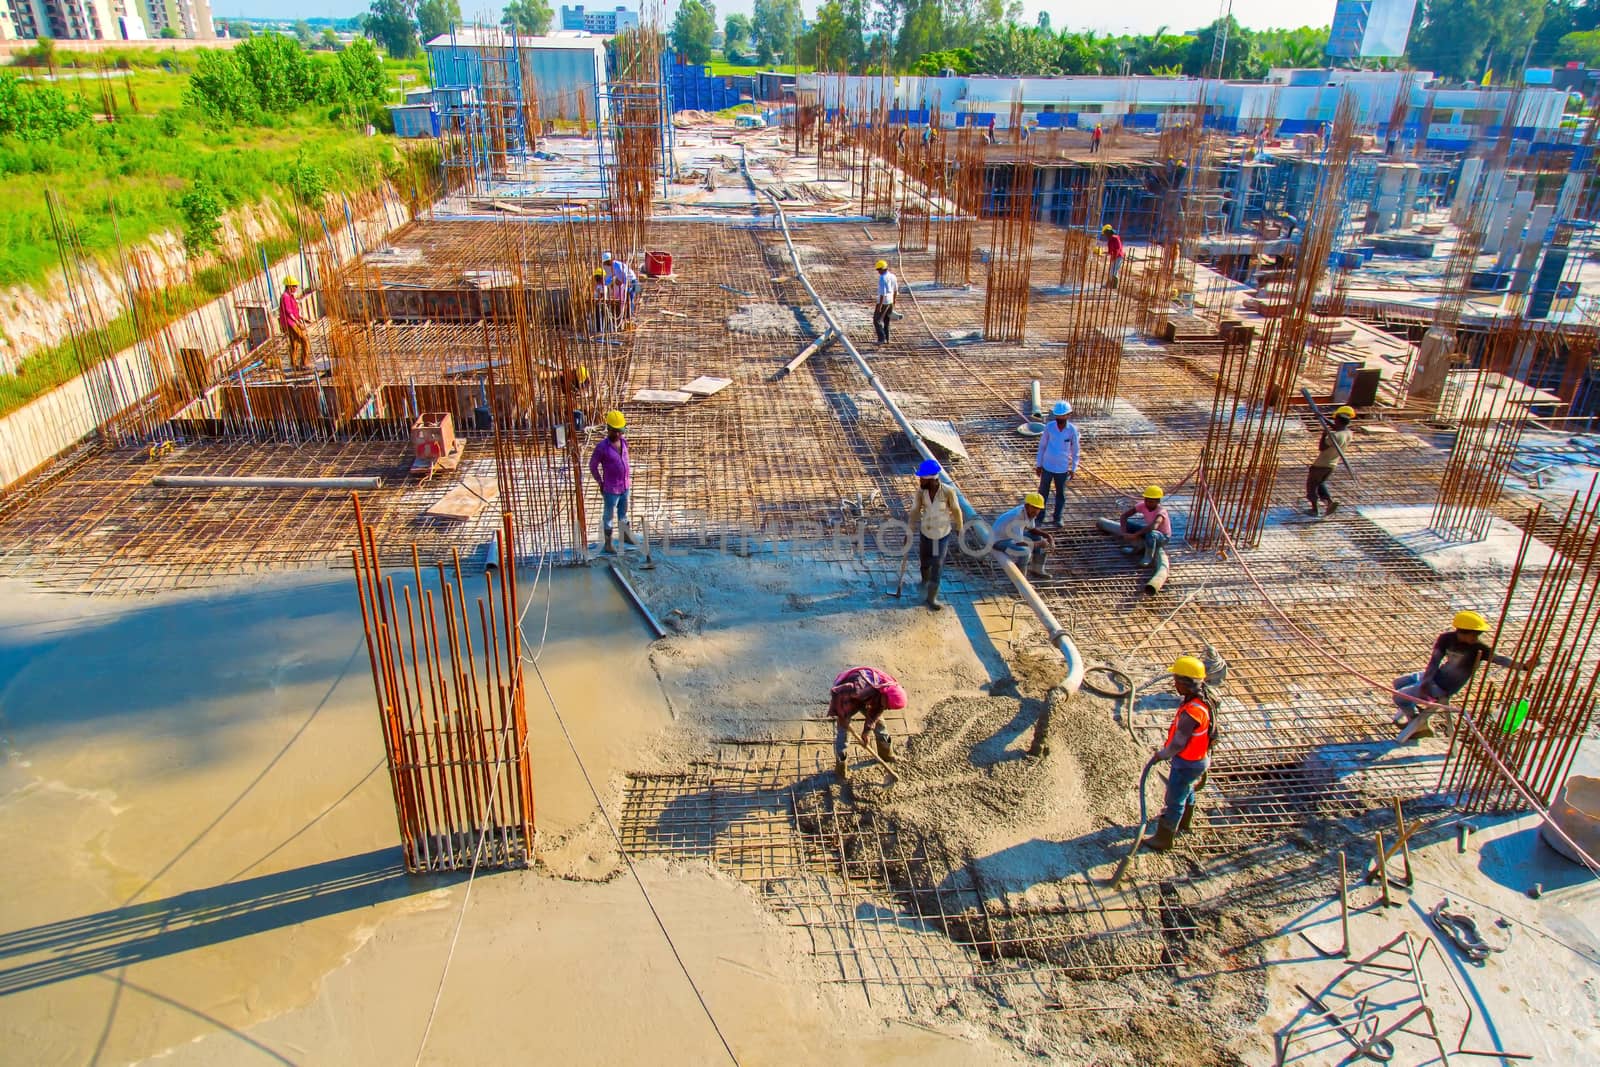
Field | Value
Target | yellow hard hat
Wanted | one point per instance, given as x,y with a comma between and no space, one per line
1034,500
1470,620
615,420
883,264
1153,492
1108,228
1189,667
290,283
599,272
583,374
1346,410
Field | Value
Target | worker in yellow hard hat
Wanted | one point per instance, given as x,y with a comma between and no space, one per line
599,295
1017,534
1188,747
609,466
1114,252
1456,655
1147,525
883,310
1331,446
293,323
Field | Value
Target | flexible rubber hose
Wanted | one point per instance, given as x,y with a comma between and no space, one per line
1144,776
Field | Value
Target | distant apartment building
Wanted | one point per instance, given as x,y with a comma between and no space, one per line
74,20
612,21
105,20
186,18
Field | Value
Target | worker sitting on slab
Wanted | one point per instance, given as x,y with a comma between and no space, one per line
1017,534
1148,523
1056,460
608,465
1330,447
869,692
1188,747
293,324
936,516
1115,252
883,311
1455,659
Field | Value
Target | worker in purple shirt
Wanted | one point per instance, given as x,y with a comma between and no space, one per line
608,465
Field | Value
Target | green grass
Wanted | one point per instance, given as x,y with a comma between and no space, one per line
720,67
49,367
120,181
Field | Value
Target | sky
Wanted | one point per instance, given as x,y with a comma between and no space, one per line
1126,16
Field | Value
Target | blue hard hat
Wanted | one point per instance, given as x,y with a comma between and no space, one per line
929,468
1061,408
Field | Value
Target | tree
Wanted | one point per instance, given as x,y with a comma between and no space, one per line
201,208
168,33
736,37
390,23
302,33
239,30
692,30
1304,47
36,112
934,64
363,71
329,41
218,87
774,26
1581,45
435,17
1012,51
1239,56
527,17
1463,39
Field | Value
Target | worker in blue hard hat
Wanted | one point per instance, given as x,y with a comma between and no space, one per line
936,516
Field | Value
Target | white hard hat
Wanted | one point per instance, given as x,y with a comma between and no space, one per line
605,257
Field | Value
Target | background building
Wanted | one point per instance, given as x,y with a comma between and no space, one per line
104,20
610,21
188,18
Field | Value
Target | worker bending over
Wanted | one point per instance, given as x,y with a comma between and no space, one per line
936,516
1017,534
624,283
601,298
293,324
1056,460
1147,523
1455,659
1188,747
1115,252
609,466
883,310
868,692
1329,449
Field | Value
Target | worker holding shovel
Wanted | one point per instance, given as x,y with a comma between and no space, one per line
869,692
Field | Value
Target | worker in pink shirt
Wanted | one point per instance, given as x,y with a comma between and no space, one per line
293,325
1147,523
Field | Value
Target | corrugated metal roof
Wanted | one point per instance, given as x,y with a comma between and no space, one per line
479,36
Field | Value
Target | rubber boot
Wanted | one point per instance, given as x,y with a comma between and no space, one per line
884,752
934,603
610,546
628,535
1161,840
1333,505
1188,818
841,770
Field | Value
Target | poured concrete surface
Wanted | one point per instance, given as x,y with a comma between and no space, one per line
203,862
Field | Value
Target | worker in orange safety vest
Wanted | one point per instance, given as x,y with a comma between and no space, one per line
1188,747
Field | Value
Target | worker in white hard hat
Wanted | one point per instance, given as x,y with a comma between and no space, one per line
1330,446
883,311
293,324
609,466
1017,534
624,282
1056,460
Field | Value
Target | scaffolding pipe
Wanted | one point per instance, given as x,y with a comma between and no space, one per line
1058,635
192,481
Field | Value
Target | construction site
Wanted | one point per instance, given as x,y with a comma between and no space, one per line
338,730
